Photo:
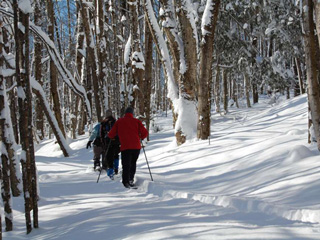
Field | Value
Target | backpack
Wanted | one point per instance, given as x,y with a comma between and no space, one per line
105,127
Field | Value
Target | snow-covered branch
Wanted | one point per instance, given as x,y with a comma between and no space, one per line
50,116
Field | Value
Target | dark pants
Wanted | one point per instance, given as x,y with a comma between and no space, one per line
97,152
111,155
129,164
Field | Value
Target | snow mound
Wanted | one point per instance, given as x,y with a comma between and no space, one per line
295,132
298,153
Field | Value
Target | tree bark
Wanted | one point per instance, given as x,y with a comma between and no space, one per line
138,63
37,70
301,85
225,90
217,88
24,100
5,183
148,75
312,67
91,60
53,71
246,88
205,76
188,80
171,32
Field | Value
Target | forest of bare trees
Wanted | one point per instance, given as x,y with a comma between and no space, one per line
64,63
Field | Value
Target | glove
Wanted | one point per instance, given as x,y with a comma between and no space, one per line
89,144
144,142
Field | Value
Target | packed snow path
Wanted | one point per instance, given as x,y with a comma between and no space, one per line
258,179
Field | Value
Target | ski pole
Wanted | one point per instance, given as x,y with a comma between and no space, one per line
146,160
104,156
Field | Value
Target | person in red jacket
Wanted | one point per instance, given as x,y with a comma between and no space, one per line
130,132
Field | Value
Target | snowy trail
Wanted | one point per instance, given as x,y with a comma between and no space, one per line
257,180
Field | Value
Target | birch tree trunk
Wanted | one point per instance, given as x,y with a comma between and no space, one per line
205,76
188,77
312,67
316,5
77,75
138,63
170,29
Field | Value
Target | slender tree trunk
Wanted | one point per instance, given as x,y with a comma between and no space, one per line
5,183
31,165
11,128
80,75
91,67
217,88
115,67
138,63
53,71
171,32
1,178
22,50
246,87
37,69
301,85
235,92
205,76
148,75
101,49
312,68
255,93
225,90
13,109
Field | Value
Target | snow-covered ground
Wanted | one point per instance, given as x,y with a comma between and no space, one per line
257,178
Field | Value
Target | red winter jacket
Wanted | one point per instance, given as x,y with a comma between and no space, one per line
130,130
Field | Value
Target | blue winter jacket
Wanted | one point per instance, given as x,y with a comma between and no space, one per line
95,132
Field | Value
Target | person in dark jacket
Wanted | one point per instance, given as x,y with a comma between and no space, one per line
110,156
110,161
130,132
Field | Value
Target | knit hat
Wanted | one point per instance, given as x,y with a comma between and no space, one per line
108,113
129,110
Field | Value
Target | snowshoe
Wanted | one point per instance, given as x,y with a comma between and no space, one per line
130,186
97,168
